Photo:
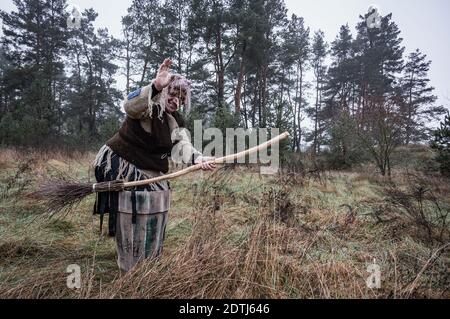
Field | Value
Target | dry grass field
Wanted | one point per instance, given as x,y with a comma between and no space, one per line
235,234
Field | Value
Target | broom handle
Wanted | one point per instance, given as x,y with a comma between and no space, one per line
220,160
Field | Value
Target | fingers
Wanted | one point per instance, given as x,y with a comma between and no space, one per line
167,62
165,65
164,77
208,166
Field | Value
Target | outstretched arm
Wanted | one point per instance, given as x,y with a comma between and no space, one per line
136,104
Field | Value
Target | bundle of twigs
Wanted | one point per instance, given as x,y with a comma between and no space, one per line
60,194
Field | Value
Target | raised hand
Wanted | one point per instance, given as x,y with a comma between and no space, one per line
164,76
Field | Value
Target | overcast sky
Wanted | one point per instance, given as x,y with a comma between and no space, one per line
424,25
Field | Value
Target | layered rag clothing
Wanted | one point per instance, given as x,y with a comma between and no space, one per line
140,150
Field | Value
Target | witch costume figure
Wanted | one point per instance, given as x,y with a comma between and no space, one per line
140,150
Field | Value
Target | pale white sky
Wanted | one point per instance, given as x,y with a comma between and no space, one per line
424,25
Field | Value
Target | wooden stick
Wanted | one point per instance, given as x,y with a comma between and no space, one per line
220,160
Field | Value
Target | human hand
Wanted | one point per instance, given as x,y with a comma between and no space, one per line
207,162
164,76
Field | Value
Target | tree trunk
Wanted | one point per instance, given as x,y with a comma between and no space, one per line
316,119
263,95
128,66
238,94
144,70
410,111
299,115
220,67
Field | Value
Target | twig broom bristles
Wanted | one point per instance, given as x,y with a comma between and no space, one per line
57,195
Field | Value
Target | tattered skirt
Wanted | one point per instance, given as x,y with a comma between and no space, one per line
137,217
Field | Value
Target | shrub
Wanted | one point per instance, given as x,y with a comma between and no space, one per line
442,145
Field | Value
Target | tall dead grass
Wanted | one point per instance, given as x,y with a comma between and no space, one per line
290,244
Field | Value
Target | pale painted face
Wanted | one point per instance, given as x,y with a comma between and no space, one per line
174,99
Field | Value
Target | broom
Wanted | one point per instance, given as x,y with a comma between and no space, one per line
57,195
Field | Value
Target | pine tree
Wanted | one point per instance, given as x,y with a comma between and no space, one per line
340,100
341,74
419,98
129,49
210,21
241,19
264,24
295,62
441,144
94,98
318,54
176,14
152,41
380,58
34,39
